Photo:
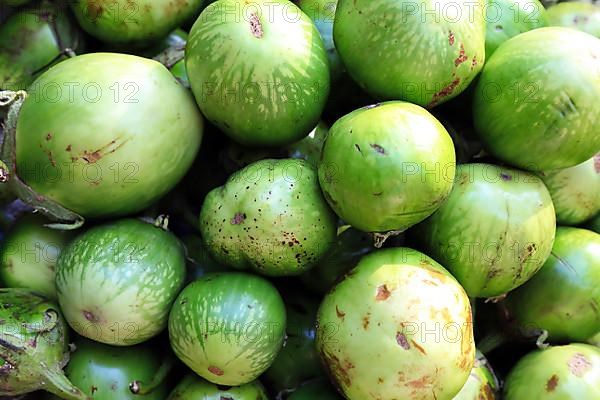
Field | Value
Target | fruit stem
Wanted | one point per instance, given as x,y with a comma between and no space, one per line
379,238
491,342
172,55
139,387
57,383
162,222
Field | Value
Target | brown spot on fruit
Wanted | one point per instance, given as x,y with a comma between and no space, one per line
378,148
488,393
382,293
446,91
579,365
451,38
366,321
421,383
340,314
94,10
418,347
462,57
552,383
238,218
68,148
215,370
402,341
255,26
505,176
93,389
337,370
90,316
49,136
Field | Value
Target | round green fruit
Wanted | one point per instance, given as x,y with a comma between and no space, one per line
194,388
116,373
577,15
568,372
135,23
425,52
575,191
552,74
228,327
33,346
33,39
106,134
564,297
298,361
271,217
320,389
482,383
116,282
508,18
397,326
387,166
494,232
29,254
258,70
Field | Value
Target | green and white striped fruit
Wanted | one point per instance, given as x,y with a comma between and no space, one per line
32,40
194,388
482,383
425,52
106,134
129,22
116,282
570,372
508,18
575,191
397,326
564,297
29,254
33,346
258,70
550,73
577,15
387,166
228,327
495,231
108,373
271,217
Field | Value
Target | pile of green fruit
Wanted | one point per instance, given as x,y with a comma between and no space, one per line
301,200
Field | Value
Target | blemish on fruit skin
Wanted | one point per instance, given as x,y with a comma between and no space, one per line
579,365
443,93
418,347
462,57
90,316
451,38
382,293
505,176
340,314
49,136
552,383
597,163
238,218
402,341
255,26
366,321
379,149
215,370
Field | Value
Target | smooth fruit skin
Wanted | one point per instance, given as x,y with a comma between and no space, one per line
29,254
570,372
116,282
260,76
398,326
193,387
494,232
133,23
552,74
387,166
320,389
577,15
482,383
33,39
508,18
106,134
575,191
271,217
105,372
564,297
228,327
424,52
33,346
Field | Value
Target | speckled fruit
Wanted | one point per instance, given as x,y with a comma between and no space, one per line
228,327
482,383
258,70
108,373
33,39
106,134
495,231
386,167
552,74
564,297
269,216
577,15
508,18
116,282
194,388
425,52
377,329
575,191
29,254
315,390
132,22
569,372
